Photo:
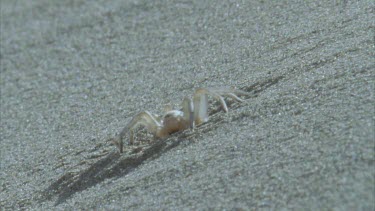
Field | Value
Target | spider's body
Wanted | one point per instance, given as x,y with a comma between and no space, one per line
193,112
173,121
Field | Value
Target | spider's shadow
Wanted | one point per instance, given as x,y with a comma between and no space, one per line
112,165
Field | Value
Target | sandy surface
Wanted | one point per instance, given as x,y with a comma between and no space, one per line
73,73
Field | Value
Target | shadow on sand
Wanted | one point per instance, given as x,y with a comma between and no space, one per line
112,165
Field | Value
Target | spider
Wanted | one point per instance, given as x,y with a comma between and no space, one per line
193,112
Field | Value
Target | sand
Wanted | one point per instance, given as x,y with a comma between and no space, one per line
73,74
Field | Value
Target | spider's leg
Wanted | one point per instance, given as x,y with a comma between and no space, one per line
234,97
219,93
234,93
131,137
230,92
145,119
201,102
188,109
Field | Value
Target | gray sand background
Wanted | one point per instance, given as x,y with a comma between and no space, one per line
73,73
